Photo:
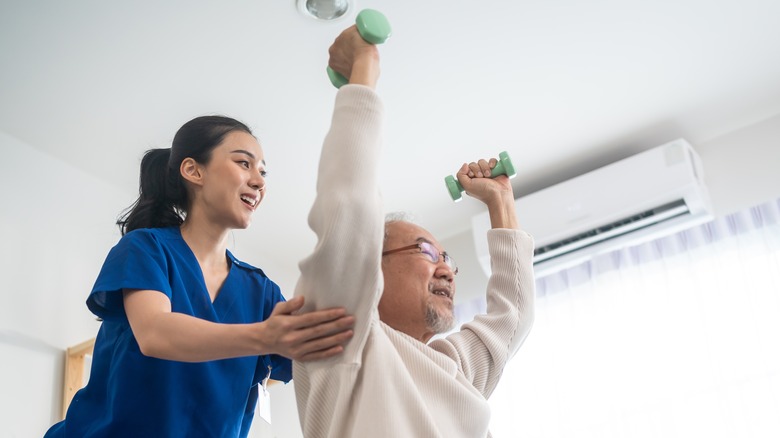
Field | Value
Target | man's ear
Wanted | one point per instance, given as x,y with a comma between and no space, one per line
191,171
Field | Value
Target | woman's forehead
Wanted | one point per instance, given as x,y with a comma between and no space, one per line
242,141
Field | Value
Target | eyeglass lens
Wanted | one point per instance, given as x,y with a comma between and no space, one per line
433,254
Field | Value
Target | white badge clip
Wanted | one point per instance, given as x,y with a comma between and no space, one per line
264,401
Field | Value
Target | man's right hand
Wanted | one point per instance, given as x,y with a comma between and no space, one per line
496,192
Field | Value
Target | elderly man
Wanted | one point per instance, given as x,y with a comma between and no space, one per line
399,284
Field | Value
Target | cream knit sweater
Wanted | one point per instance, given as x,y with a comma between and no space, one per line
388,384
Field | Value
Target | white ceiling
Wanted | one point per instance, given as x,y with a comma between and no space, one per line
563,85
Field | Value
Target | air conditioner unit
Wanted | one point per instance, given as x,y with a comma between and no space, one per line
643,197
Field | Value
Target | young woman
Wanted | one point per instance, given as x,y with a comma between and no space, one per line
189,330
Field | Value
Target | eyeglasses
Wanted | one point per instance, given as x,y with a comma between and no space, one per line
430,252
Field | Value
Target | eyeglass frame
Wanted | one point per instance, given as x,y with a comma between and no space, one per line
440,255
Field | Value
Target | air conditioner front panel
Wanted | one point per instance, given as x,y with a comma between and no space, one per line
670,174
608,194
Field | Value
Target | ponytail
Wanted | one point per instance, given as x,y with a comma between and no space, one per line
161,201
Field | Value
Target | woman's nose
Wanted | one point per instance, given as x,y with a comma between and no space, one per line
258,181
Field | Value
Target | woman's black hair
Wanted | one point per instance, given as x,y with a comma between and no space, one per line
163,200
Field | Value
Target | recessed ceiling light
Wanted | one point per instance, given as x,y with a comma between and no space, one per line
324,9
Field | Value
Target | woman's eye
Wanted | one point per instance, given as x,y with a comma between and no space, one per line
263,173
244,164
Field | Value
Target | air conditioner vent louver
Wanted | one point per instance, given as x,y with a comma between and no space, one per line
651,194
611,230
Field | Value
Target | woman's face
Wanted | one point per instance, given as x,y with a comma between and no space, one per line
233,181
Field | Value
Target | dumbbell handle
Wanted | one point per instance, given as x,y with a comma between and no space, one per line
504,166
374,28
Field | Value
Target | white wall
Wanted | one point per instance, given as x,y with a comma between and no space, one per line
55,235
741,168
32,378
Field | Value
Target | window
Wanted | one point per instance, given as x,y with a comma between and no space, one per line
678,337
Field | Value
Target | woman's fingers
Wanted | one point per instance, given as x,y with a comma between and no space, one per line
317,317
321,337
307,319
323,354
311,335
288,307
327,328
324,347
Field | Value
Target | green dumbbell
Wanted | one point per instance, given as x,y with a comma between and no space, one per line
504,166
374,28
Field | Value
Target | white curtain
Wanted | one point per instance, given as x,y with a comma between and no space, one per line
679,337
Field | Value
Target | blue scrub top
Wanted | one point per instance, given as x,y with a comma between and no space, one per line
132,395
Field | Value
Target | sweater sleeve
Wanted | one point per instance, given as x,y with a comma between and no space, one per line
345,267
483,346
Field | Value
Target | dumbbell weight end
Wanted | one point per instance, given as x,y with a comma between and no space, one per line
373,26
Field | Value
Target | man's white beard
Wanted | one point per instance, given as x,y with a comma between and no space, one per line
437,322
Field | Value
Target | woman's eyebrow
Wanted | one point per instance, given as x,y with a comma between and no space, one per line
249,154
241,151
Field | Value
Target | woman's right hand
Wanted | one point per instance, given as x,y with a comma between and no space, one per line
308,336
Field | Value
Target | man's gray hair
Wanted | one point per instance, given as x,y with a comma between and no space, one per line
397,216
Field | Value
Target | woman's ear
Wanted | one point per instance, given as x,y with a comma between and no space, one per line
191,171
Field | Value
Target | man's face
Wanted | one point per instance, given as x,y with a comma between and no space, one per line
418,295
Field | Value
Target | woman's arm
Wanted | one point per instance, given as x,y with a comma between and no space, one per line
164,334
